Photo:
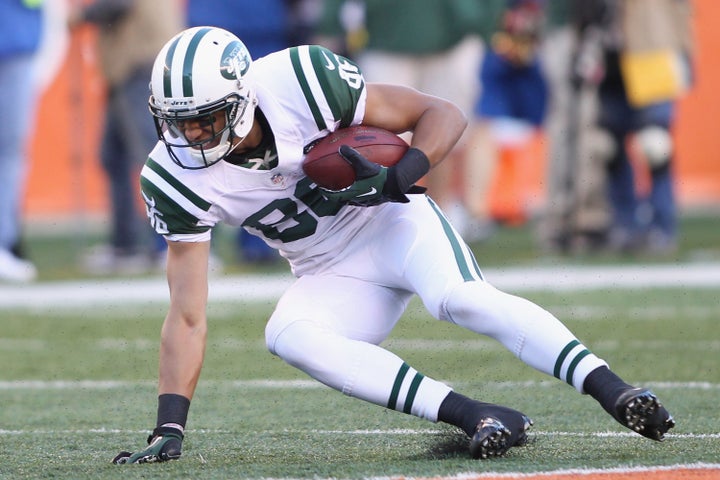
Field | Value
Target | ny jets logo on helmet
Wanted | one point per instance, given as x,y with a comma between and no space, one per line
200,84
235,61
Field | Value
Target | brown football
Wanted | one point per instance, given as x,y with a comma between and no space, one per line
324,165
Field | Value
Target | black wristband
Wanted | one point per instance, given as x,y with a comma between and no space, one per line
172,408
409,169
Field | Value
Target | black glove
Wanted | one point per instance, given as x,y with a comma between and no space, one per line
371,183
165,443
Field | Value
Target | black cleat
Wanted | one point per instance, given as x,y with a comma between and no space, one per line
492,438
641,411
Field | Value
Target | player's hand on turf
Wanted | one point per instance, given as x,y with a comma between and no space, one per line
369,186
165,443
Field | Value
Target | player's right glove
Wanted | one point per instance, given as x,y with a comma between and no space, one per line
375,184
165,443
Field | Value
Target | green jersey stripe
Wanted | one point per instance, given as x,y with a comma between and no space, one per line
414,386
189,60
392,402
561,358
305,86
319,58
167,77
457,246
339,83
179,208
193,198
165,214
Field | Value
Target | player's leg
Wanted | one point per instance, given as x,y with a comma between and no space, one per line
453,290
329,327
341,352
379,256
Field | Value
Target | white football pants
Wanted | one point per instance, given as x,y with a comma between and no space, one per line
329,323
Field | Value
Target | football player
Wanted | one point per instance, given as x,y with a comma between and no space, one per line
232,134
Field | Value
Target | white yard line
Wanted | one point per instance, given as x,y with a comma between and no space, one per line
286,384
362,432
124,292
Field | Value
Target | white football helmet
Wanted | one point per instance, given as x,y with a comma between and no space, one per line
198,74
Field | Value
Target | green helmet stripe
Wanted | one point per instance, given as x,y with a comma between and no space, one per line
189,60
167,79
307,91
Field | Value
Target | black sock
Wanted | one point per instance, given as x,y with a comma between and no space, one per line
460,411
605,387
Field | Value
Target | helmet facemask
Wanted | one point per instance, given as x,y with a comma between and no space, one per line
226,133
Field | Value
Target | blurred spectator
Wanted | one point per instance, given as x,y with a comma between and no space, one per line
508,114
433,46
576,217
262,26
20,37
647,48
130,35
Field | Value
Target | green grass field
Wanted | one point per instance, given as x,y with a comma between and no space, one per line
77,385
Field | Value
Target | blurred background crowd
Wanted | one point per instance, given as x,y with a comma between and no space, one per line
589,119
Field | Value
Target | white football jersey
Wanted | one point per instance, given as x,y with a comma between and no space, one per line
304,93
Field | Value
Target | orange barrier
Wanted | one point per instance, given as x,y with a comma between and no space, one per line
696,131
517,188
65,178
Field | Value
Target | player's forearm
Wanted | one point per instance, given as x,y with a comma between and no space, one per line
438,130
184,332
182,350
436,124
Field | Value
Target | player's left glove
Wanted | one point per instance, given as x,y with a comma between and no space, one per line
165,443
374,184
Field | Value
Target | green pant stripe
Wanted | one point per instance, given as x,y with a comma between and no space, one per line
574,363
562,356
414,386
457,246
475,265
392,402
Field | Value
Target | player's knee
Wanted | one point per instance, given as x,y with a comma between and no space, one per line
484,309
472,302
295,342
274,328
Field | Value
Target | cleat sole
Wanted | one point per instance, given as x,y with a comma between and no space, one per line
493,439
641,411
